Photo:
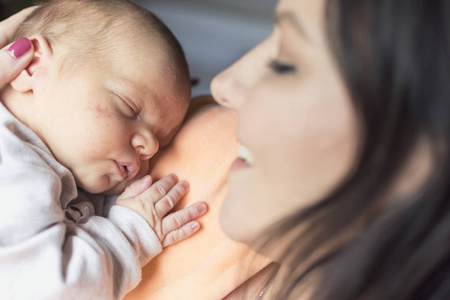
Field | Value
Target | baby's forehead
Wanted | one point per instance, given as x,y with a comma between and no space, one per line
148,67
147,50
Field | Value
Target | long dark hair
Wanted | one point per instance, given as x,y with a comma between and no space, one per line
394,56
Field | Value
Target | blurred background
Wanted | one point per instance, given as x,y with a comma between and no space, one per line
213,33
8,7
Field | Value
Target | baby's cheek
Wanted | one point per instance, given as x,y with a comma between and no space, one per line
98,111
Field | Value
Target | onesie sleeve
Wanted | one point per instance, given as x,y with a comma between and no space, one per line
132,243
42,254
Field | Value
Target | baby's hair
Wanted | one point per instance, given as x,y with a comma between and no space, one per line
89,27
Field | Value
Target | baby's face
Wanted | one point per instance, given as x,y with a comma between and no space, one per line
108,119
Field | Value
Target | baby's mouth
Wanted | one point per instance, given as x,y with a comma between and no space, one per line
127,170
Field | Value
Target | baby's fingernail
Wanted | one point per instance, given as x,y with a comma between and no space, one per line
146,179
173,177
195,226
20,47
185,185
202,208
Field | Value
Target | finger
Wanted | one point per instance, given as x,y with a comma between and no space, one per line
14,58
180,234
171,199
9,26
137,187
180,218
159,189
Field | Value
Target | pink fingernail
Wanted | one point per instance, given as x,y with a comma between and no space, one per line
20,47
146,178
185,185
201,208
195,226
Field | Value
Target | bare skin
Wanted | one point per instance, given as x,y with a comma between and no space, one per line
153,201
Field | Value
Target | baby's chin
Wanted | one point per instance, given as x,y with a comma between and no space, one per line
118,189
115,190
99,188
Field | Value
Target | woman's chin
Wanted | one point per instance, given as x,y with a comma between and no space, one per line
231,221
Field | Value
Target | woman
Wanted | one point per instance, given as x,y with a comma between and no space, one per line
343,178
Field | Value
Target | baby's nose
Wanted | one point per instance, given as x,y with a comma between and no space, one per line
146,144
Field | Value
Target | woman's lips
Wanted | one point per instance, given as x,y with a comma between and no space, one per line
239,164
244,159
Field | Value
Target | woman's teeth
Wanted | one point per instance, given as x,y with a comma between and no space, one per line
245,154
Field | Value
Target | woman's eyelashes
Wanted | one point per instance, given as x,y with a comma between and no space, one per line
281,68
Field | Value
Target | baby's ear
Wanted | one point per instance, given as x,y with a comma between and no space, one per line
42,54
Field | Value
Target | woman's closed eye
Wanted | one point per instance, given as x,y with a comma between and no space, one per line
281,68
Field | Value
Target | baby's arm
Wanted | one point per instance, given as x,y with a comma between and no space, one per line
135,230
44,256
154,201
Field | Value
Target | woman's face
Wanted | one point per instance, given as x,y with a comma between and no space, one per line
296,122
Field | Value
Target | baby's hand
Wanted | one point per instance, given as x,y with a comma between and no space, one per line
154,201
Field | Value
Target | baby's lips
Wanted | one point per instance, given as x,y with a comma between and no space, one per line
122,170
133,170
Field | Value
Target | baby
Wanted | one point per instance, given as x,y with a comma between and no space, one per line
108,86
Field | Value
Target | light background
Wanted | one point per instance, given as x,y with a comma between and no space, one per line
214,33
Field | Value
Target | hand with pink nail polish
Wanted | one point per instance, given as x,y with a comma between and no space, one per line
154,202
15,57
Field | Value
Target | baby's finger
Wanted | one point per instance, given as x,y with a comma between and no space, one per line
180,234
178,219
171,199
159,189
137,187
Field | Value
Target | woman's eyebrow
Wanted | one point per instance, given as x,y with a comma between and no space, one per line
286,16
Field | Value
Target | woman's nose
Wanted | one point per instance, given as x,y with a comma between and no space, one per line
145,143
227,88
231,87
